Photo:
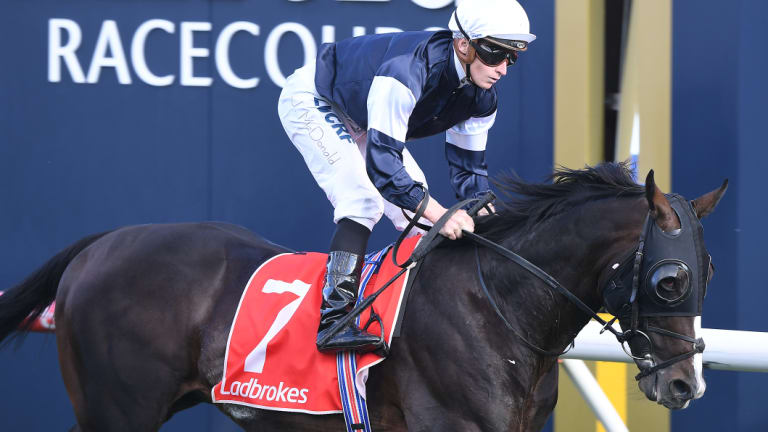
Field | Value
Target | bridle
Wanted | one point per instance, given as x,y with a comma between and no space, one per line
631,307
635,295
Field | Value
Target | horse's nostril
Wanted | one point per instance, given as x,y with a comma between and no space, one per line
680,389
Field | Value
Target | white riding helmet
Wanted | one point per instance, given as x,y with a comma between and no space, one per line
504,22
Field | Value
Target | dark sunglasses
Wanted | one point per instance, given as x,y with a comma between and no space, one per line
489,53
493,55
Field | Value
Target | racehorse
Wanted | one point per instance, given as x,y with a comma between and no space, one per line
143,313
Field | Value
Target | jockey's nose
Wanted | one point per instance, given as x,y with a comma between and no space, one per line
502,68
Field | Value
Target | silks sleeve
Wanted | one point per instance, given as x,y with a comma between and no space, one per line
465,153
390,104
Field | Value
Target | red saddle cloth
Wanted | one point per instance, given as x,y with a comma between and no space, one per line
271,360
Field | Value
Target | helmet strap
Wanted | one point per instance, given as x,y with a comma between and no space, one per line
469,74
467,58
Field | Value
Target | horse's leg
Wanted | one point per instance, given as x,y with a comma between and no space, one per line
114,388
126,355
544,399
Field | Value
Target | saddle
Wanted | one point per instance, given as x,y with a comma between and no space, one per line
271,360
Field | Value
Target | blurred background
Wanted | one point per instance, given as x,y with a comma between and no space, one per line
125,112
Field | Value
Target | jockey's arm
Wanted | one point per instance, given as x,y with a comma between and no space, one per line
465,152
390,104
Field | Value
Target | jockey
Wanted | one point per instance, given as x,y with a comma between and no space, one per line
351,111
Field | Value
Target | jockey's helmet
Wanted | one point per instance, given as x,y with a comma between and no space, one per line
501,22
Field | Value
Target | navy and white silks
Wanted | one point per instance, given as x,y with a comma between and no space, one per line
378,92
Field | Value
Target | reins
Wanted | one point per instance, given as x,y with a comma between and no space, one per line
542,275
621,337
432,239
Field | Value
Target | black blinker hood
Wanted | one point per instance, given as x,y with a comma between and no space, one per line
665,253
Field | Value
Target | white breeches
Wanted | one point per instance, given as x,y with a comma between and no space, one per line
333,148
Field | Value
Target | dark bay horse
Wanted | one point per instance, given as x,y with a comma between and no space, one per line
143,314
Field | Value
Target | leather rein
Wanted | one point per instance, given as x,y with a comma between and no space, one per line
647,367
432,239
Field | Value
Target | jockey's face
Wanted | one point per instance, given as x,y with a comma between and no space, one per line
485,76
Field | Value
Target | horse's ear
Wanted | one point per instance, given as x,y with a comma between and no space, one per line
661,210
706,203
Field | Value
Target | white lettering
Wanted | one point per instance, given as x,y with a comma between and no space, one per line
256,390
65,38
434,4
246,388
57,52
189,52
292,393
427,4
138,47
381,30
328,34
271,393
222,54
281,392
253,390
109,40
273,40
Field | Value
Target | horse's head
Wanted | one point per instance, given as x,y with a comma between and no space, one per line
657,291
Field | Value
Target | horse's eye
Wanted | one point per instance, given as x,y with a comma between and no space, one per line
670,282
667,284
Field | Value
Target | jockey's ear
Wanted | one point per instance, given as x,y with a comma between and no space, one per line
464,51
661,210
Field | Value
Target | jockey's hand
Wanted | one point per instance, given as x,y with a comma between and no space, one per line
452,228
484,212
459,221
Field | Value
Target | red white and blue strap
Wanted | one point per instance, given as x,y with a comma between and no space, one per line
352,402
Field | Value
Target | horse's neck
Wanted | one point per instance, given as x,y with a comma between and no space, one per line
574,249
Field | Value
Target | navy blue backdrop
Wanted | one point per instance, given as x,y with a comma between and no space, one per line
86,144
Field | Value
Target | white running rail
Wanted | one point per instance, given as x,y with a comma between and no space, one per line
733,350
590,390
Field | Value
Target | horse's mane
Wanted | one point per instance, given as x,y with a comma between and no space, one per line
526,205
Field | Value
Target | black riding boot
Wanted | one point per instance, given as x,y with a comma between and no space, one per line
339,294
